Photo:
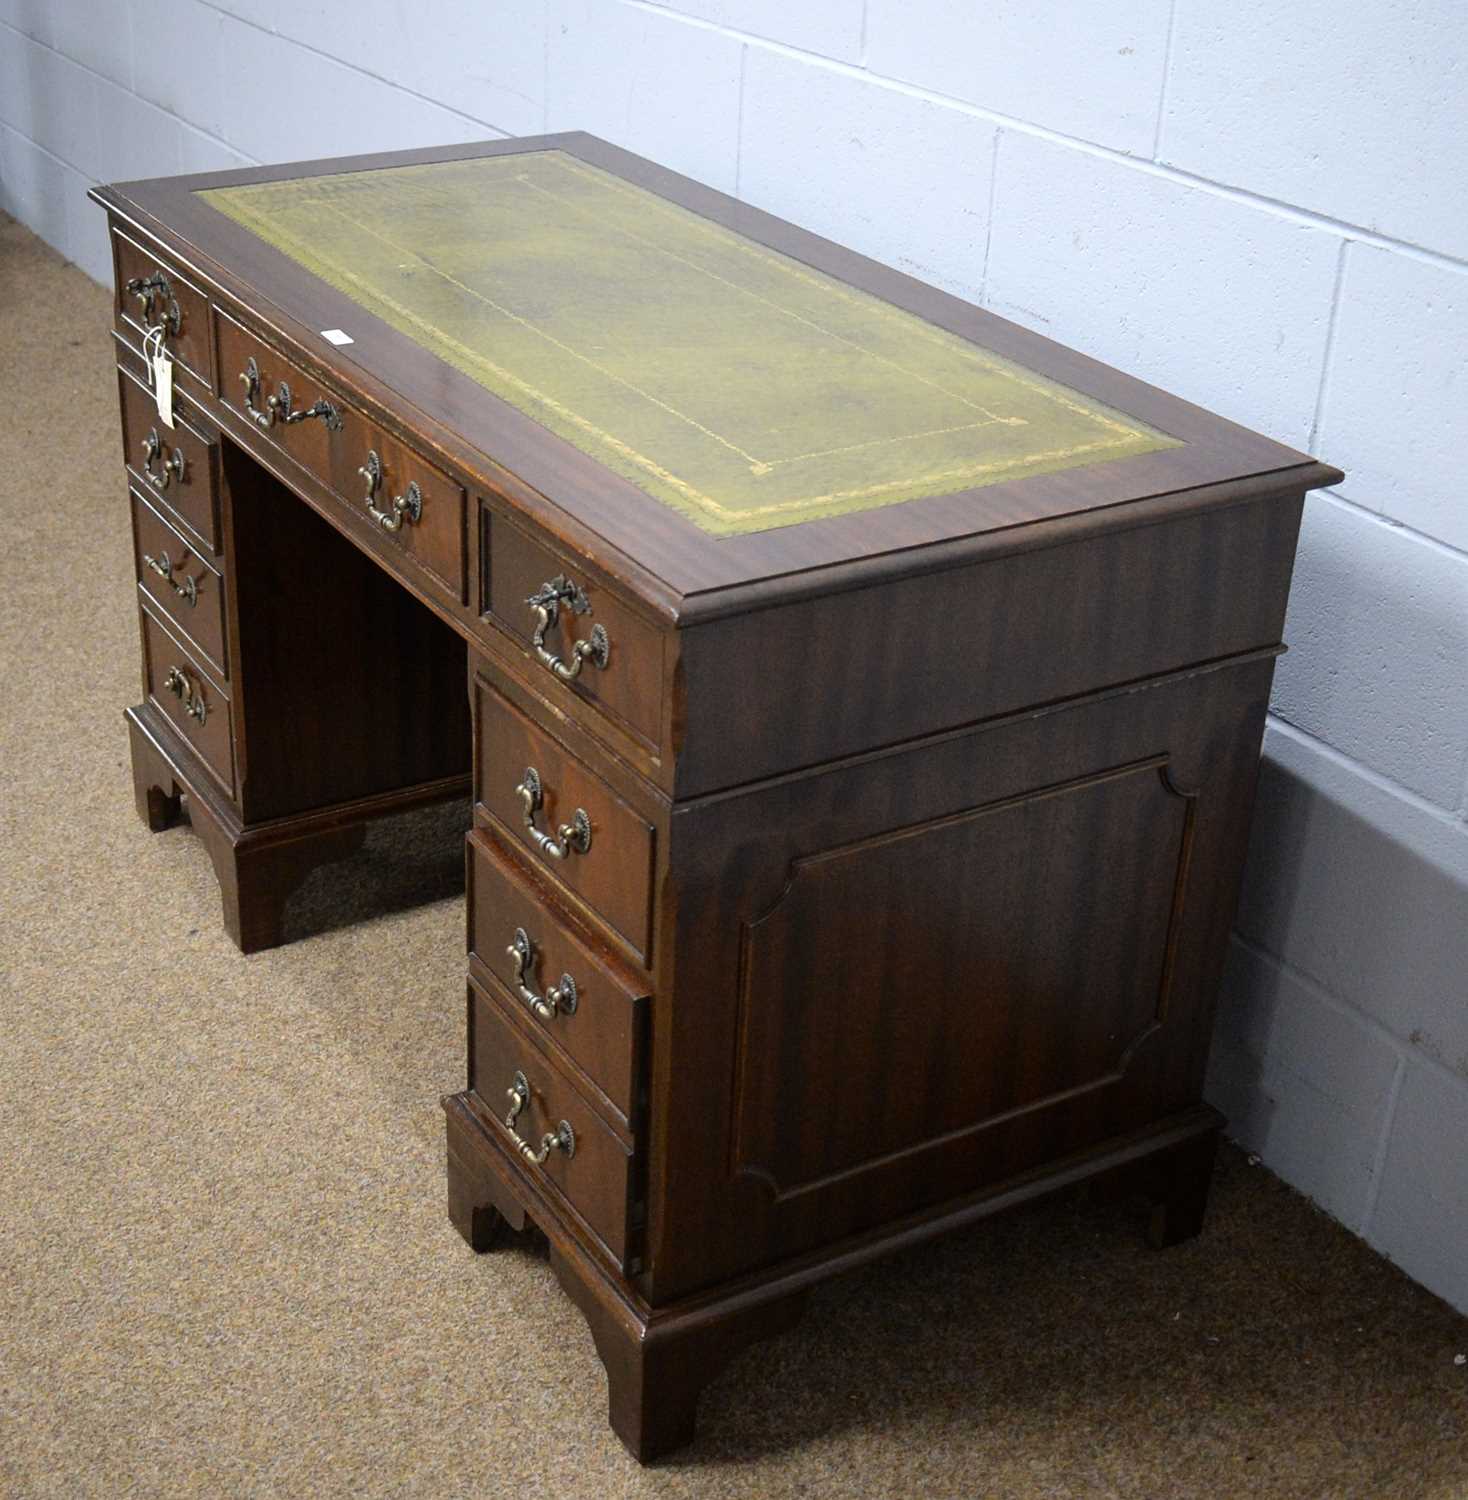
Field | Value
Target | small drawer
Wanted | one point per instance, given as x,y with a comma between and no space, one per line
568,820
604,651
177,466
180,582
194,704
584,1160
578,1001
153,294
405,503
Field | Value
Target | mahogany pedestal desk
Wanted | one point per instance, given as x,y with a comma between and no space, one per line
864,701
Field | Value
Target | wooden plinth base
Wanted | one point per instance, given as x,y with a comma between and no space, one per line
257,865
658,1359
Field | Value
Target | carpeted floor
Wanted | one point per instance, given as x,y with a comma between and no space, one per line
225,1267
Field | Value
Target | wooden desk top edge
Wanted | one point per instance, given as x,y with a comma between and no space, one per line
682,572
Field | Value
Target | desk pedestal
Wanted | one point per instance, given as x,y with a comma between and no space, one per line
259,865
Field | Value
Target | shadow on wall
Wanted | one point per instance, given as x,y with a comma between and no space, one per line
1350,955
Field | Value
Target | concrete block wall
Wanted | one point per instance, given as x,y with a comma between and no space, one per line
1260,206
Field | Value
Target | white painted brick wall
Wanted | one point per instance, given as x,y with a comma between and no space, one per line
1394,413
895,176
485,59
1367,598
1101,85
827,28
1421,1214
1233,313
163,32
1361,889
1304,1080
88,35
1351,108
1261,206
673,94
268,86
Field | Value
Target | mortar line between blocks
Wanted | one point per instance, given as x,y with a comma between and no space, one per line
739,122
1166,80
1330,330
1383,1145
545,56
989,227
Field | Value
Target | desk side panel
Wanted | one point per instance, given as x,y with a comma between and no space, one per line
927,973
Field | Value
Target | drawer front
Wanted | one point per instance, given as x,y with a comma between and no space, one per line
573,826
151,294
595,1175
597,1018
622,678
176,466
188,698
179,581
914,656
408,506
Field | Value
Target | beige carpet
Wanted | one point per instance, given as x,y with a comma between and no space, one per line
225,1267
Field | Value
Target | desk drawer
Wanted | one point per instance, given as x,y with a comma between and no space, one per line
151,293
179,581
568,820
176,466
195,705
597,1020
407,506
620,669
592,1169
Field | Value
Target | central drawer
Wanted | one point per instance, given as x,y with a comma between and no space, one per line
407,505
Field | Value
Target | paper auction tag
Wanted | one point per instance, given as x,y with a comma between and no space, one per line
160,371
163,386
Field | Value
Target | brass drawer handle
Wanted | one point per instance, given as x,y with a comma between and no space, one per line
574,837
280,407
172,466
178,683
250,379
546,601
559,999
146,289
188,589
562,1138
405,507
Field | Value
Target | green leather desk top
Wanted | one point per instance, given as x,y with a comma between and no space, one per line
734,384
